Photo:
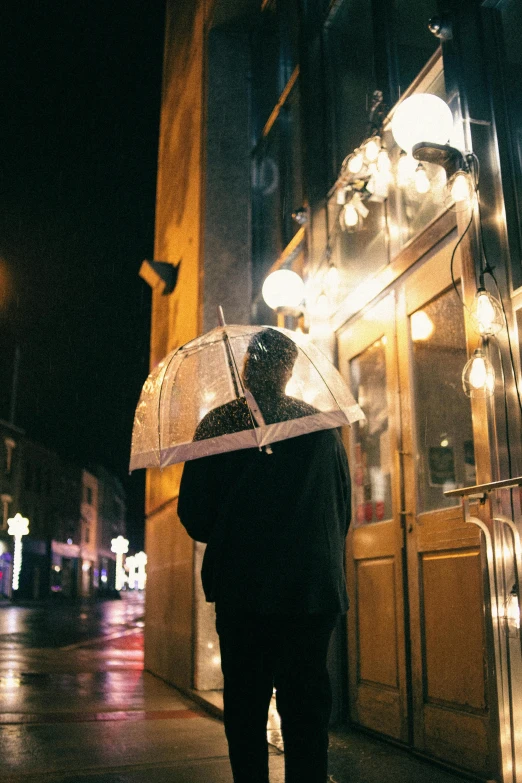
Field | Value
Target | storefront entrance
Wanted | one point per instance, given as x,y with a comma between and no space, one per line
416,631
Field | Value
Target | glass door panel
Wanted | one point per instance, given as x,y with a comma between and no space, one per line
371,458
444,431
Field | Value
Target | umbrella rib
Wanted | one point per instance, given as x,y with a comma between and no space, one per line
232,358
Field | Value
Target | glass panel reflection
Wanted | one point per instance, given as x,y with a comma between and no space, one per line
444,432
371,449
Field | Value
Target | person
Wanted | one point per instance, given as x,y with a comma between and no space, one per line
275,527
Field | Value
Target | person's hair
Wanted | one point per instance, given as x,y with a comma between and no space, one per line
272,348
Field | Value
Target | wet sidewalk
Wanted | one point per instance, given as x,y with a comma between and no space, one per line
87,712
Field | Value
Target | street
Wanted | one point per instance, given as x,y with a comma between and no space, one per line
76,705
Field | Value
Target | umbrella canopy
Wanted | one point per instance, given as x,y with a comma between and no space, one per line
237,387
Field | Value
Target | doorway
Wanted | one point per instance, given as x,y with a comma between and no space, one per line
416,629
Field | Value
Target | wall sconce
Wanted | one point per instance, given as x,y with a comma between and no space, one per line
160,274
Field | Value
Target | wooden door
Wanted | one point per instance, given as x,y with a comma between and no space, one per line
376,629
451,719
416,625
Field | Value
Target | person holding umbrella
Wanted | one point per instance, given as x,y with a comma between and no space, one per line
274,520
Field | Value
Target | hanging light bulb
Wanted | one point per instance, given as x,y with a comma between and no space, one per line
422,183
350,216
486,314
332,277
340,196
383,161
372,149
478,376
459,191
405,169
356,162
460,187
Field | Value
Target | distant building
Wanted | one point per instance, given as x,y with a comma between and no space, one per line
72,513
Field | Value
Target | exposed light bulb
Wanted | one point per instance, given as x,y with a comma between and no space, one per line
356,163
372,149
332,277
486,314
405,169
478,376
340,196
422,183
350,216
460,190
383,161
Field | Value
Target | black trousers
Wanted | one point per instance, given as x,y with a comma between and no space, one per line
288,653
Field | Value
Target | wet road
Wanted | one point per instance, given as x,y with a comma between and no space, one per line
76,704
59,624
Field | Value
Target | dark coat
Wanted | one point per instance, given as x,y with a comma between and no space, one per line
275,525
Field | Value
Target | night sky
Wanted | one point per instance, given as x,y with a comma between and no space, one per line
81,84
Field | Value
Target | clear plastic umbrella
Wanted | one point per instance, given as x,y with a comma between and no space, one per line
237,387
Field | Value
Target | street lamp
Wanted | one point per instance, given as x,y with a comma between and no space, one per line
130,565
140,558
120,546
17,527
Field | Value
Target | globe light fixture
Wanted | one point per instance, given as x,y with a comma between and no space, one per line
120,546
17,526
478,376
486,314
283,290
421,118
